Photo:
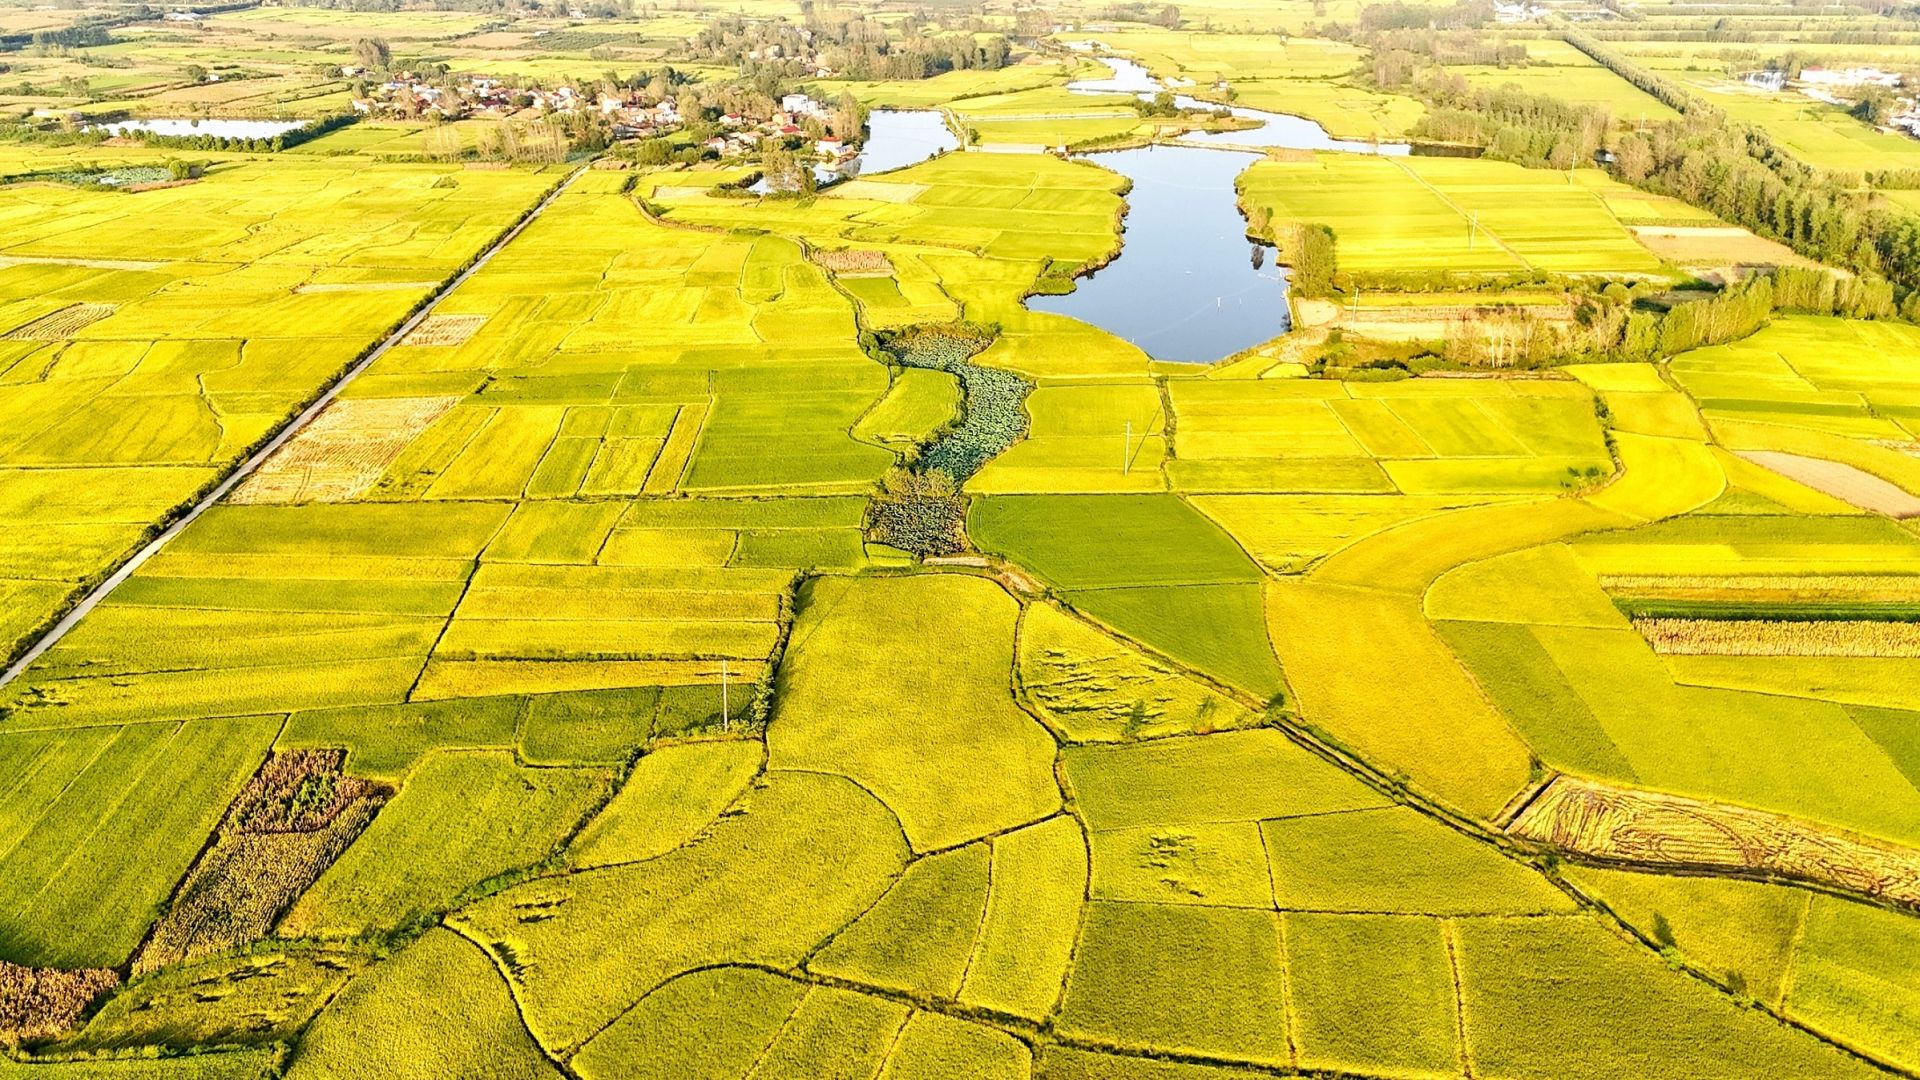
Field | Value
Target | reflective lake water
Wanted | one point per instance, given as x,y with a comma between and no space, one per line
226,129
897,138
1188,286
1185,286
1280,130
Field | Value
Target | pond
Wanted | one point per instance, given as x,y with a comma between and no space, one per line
1188,286
897,138
226,129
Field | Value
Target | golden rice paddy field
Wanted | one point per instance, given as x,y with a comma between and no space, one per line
734,637
154,337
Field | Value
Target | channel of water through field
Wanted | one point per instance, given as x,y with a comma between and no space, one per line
1188,286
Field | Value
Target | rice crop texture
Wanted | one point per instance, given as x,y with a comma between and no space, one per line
437,1009
290,822
1762,637
856,704
1664,830
808,854
40,1003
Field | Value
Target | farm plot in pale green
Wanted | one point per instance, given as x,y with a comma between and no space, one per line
767,886
438,1008
1430,215
79,800
1565,997
1098,438
1821,135
1575,78
1836,376
1589,694
672,795
969,229
919,403
1133,562
1383,219
1092,687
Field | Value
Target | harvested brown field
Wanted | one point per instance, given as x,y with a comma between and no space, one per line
855,262
876,190
445,330
1771,637
1650,829
41,1003
283,830
1844,482
61,324
343,452
1713,246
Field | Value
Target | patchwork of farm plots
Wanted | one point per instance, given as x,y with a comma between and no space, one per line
1301,76
152,338
1571,76
965,237
1428,215
545,709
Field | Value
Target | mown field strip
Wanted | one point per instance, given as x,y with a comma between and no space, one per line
293,427
1842,481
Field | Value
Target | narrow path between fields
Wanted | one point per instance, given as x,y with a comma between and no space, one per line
288,431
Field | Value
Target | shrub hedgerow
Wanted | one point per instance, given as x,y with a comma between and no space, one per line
919,512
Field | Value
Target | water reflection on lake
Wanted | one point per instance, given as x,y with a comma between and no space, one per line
1281,130
226,129
1186,286
897,138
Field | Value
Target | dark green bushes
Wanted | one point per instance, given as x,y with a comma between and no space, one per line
921,509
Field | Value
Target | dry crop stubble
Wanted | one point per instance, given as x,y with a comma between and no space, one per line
1643,827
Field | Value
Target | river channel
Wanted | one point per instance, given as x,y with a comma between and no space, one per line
1188,286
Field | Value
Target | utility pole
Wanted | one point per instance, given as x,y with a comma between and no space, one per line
1473,226
1126,456
726,714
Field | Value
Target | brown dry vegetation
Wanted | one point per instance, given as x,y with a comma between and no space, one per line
855,262
445,330
1643,827
1764,588
1767,637
343,452
290,822
40,1003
